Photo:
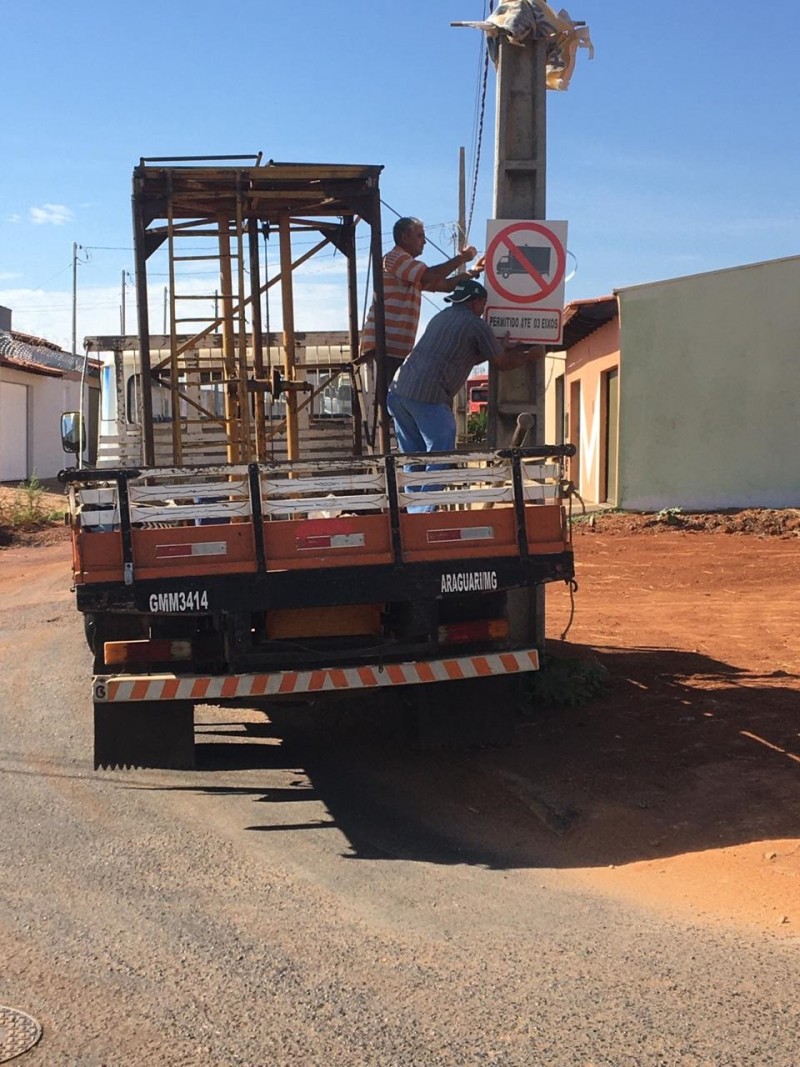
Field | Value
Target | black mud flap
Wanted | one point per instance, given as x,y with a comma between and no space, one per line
474,712
157,734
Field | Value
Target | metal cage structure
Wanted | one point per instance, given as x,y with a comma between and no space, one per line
210,216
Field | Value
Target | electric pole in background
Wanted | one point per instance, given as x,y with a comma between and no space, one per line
520,193
75,248
461,235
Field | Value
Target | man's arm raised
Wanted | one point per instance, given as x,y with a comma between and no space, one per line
437,279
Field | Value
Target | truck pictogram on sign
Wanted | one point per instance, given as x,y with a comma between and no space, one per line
515,262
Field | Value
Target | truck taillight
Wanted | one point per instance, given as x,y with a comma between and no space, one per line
462,633
117,653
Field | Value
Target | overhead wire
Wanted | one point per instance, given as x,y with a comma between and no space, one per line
476,142
477,137
478,132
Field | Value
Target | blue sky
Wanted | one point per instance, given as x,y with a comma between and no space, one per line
674,151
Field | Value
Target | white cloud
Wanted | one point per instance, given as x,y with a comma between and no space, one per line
13,218
41,313
320,304
54,214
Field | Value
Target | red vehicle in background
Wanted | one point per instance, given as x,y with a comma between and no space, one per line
477,394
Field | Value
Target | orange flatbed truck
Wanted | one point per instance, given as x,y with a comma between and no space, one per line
277,576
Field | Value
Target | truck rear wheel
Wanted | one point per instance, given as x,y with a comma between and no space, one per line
156,734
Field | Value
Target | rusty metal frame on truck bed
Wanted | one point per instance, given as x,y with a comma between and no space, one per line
216,210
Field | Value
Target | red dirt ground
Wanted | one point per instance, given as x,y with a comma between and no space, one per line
688,769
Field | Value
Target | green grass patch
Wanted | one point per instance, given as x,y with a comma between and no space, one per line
563,682
29,508
670,516
589,518
477,427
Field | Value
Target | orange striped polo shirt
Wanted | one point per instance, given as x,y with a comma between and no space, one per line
402,295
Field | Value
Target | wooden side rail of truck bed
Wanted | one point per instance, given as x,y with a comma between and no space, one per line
161,523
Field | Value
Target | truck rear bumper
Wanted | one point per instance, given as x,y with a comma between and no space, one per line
127,688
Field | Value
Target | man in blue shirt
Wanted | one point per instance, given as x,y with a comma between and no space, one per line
420,398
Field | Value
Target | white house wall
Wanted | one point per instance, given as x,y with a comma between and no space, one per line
48,397
710,394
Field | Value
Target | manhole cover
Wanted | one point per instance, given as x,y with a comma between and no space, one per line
18,1033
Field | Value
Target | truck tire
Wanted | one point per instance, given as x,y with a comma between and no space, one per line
147,733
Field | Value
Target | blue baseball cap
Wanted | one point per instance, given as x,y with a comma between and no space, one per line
466,290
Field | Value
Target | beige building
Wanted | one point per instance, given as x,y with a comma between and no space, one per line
39,381
684,393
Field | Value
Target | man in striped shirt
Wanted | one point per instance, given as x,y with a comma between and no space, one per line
420,398
404,279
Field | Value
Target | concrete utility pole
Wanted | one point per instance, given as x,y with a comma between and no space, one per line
520,193
460,241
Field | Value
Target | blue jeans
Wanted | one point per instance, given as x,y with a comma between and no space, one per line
421,427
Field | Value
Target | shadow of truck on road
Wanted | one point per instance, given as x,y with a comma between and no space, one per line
682,754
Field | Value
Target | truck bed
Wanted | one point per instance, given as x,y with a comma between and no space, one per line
144,532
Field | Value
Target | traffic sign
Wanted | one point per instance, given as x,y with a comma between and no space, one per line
525,268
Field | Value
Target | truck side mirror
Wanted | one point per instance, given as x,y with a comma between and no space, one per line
73,434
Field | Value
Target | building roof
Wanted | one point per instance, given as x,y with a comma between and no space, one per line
582,317
30,366
36,355
31,354
706,274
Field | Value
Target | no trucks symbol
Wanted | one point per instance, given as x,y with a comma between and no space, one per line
525,261
525,268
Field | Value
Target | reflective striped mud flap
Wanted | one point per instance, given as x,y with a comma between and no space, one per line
129,687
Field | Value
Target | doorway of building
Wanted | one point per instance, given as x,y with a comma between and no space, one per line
13,432
611,421
575,433
561,415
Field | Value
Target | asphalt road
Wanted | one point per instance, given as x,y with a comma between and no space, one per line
327,898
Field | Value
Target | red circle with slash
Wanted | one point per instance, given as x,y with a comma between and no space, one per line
543,287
